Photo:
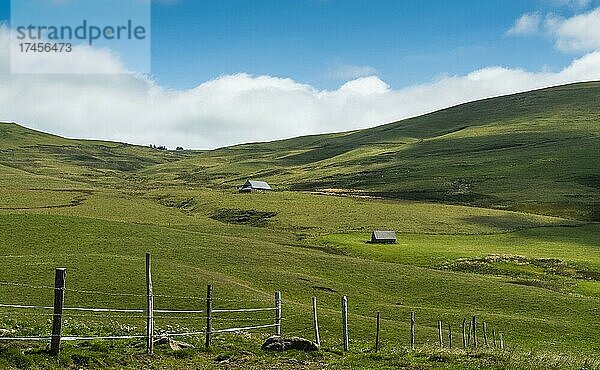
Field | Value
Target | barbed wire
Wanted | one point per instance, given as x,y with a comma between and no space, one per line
264,300
183,334
26,306
10,283
90,309
99,313
73,313
195,298
99,292
84,338
244,309
91,315
67,316
25,338
88,291
87,309
243,328
179,317
123,310
244,319
103,338
122,337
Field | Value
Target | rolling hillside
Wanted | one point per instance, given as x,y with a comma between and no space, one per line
493,202
494,153
85,161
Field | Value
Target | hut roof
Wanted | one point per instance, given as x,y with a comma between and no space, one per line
383,235
257,185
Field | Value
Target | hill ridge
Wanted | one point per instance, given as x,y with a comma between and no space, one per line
496,153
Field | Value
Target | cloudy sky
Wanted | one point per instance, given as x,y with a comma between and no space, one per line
226,72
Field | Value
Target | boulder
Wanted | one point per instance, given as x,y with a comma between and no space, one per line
276,343
174,344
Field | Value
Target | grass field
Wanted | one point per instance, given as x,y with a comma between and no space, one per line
493,153
503,228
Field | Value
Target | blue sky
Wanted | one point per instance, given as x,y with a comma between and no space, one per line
323,42
405,41
233,71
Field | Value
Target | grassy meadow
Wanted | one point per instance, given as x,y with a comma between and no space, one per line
495,211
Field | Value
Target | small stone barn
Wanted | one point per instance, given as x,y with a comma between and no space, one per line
383,237
252,185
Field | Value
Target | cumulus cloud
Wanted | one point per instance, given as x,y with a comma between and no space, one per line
527,24
241,108
579,33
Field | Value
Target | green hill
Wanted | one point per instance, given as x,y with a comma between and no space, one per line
87,161
493,203
493,153
496,153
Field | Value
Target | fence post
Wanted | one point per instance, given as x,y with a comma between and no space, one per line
209,291
464,333
412,330
494,336
377,332
474,326
440,334
469,333
149,307
60,276
345,322
278,313
316,322
450,336
485,337
501,341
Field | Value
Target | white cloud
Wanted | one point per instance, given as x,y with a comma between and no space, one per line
579,33
240,108
364,86
527,24
574,4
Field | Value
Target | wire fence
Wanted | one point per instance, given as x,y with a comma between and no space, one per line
227,317
224,315
92,311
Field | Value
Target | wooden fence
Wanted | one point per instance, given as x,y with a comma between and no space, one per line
148,313
469,328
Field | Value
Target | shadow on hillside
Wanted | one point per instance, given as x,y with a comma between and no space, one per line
508,222
567,232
